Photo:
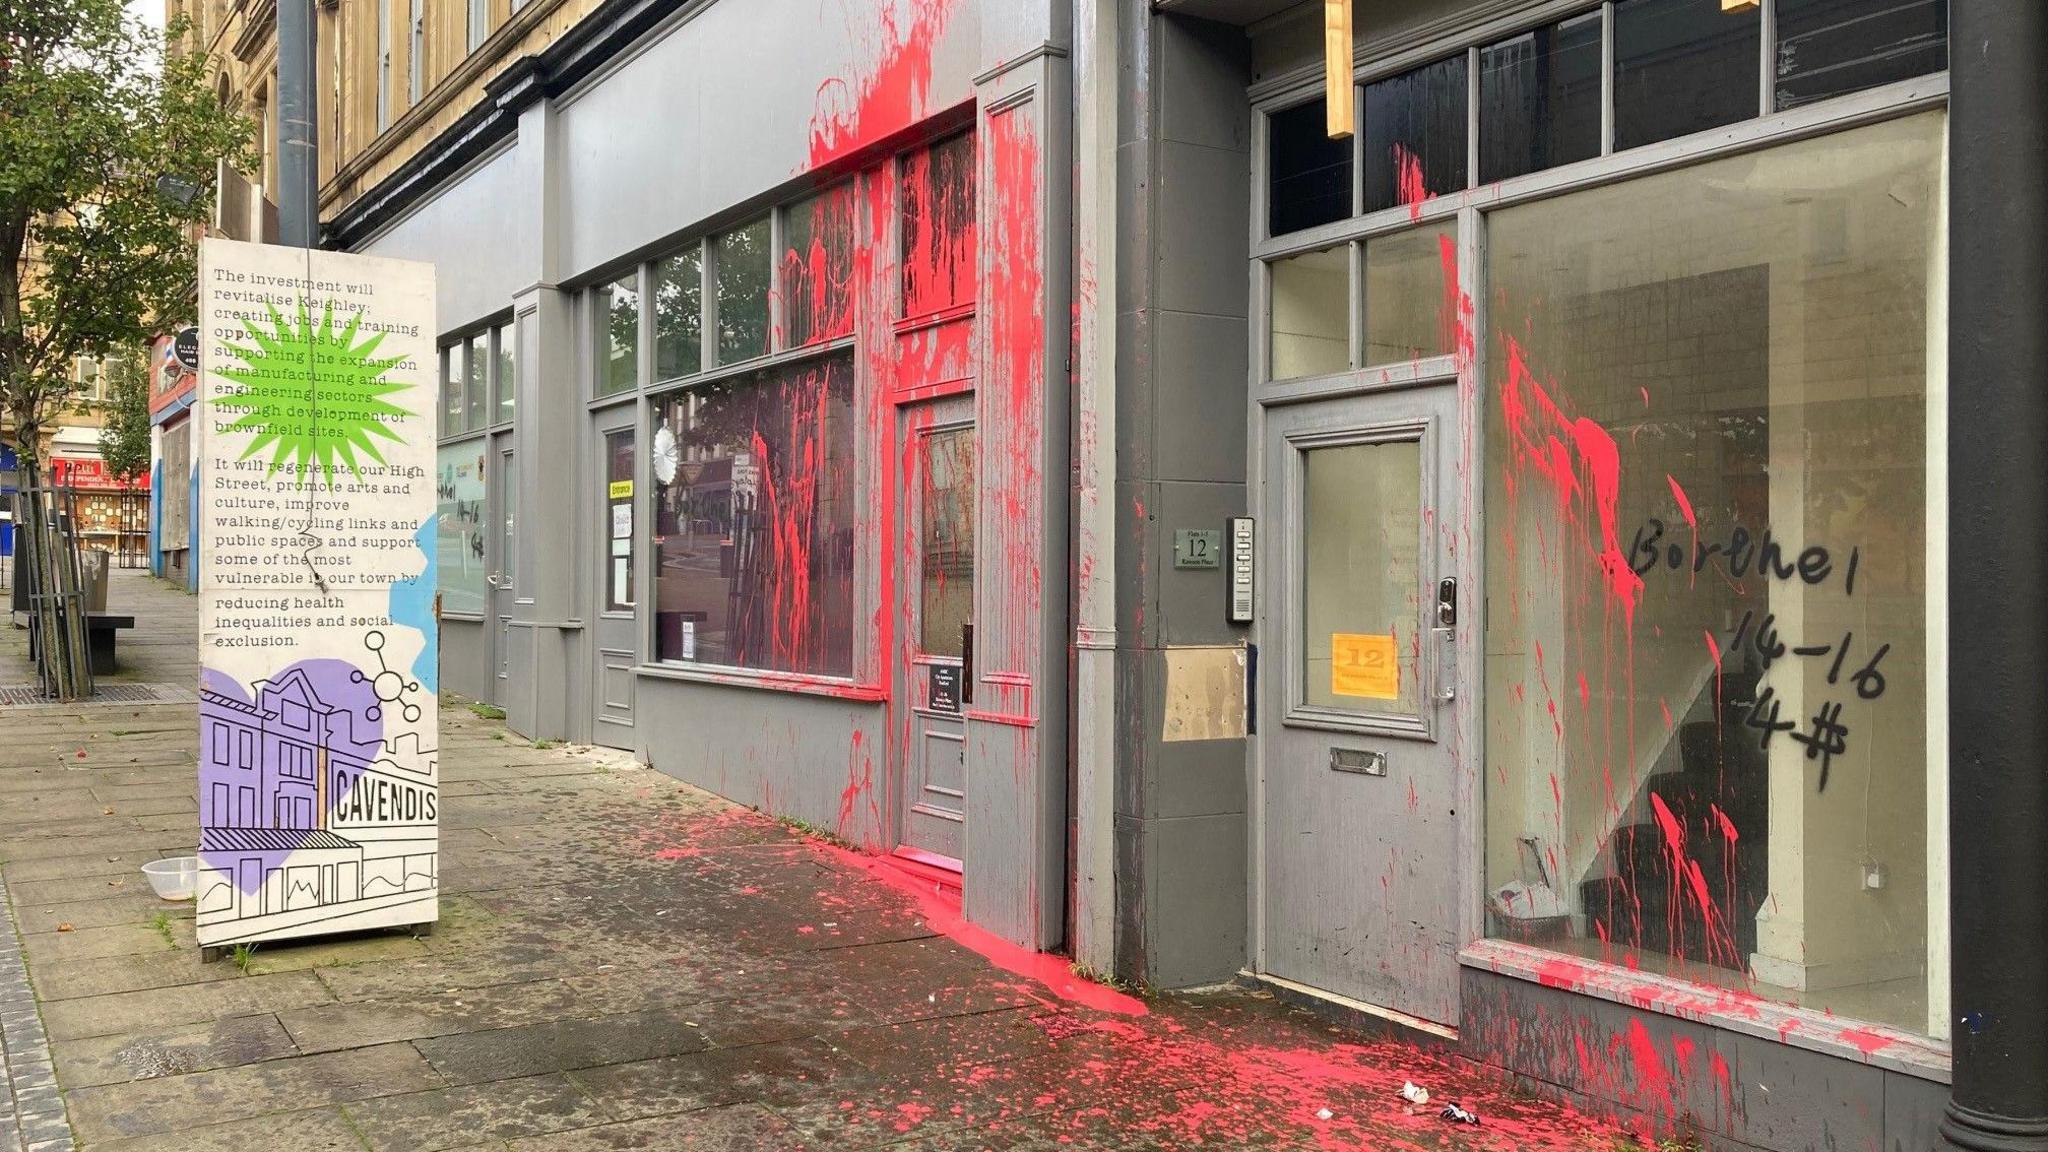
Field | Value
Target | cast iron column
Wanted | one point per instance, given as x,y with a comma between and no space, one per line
298,190
1998,564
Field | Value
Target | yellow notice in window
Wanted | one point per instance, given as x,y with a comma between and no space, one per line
1366,666
620,490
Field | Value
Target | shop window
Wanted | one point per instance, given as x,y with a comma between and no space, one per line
1539,99
502,379
1414,134
1309,174
946,520
1707,651
454,409
741,273
817,265
1834,47
679,313
1411,294
1682,67
938,227
615,309
459,492
477,383
618,556
1310,335
754,520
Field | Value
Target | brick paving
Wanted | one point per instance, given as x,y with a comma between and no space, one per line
624,962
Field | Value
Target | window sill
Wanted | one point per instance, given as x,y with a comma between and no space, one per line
765,681
1734,1010
909,324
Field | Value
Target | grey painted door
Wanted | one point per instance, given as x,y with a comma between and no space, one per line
935,615
1357,857
615,581
504,575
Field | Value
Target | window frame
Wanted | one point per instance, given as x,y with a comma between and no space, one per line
1921,1055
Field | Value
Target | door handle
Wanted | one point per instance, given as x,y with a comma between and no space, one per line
1446,631
967,663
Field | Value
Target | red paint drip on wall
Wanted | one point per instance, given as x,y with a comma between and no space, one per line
851,114
941,912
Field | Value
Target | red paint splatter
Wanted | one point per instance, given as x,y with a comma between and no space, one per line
1408,187
850,115
1692,522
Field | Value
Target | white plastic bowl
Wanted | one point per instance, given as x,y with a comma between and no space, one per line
174,877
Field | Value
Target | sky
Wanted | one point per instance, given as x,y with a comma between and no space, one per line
150,12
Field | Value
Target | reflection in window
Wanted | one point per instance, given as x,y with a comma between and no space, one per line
754,520
506,383
1361,590
1539,99
617,310
1411,301
1682,67
946,589
1310,173
742,275
1707,652
459,494
1834,47
1310,333
618,523
817,266
478,385
1414,134
938,227
679,314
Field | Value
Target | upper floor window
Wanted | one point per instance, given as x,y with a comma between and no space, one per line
938,227
479,23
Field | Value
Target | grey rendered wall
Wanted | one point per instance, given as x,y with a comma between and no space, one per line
1184,175
465,659
474,232
734,92
788,754
1734,1091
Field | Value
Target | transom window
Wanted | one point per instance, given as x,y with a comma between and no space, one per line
1679,67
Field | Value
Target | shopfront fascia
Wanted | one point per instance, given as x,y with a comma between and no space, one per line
782,508
1598,411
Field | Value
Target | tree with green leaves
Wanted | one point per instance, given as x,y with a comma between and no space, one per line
124,437
108,147
109,141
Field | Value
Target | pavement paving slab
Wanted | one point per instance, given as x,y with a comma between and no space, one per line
704,978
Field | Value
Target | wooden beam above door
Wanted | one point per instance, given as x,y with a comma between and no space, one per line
1339,96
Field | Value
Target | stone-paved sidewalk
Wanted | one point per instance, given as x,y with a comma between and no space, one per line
624,963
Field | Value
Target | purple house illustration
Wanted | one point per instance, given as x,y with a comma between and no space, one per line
266,768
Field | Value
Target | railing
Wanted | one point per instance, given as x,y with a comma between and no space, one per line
46,536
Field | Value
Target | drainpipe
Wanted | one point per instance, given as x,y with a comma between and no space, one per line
1998,575
1094,495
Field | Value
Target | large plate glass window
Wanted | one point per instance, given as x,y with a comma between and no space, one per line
754,520
615,310
1707,648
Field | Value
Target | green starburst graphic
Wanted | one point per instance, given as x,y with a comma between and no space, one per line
315,398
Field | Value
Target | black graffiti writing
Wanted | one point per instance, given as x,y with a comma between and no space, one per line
1742,553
